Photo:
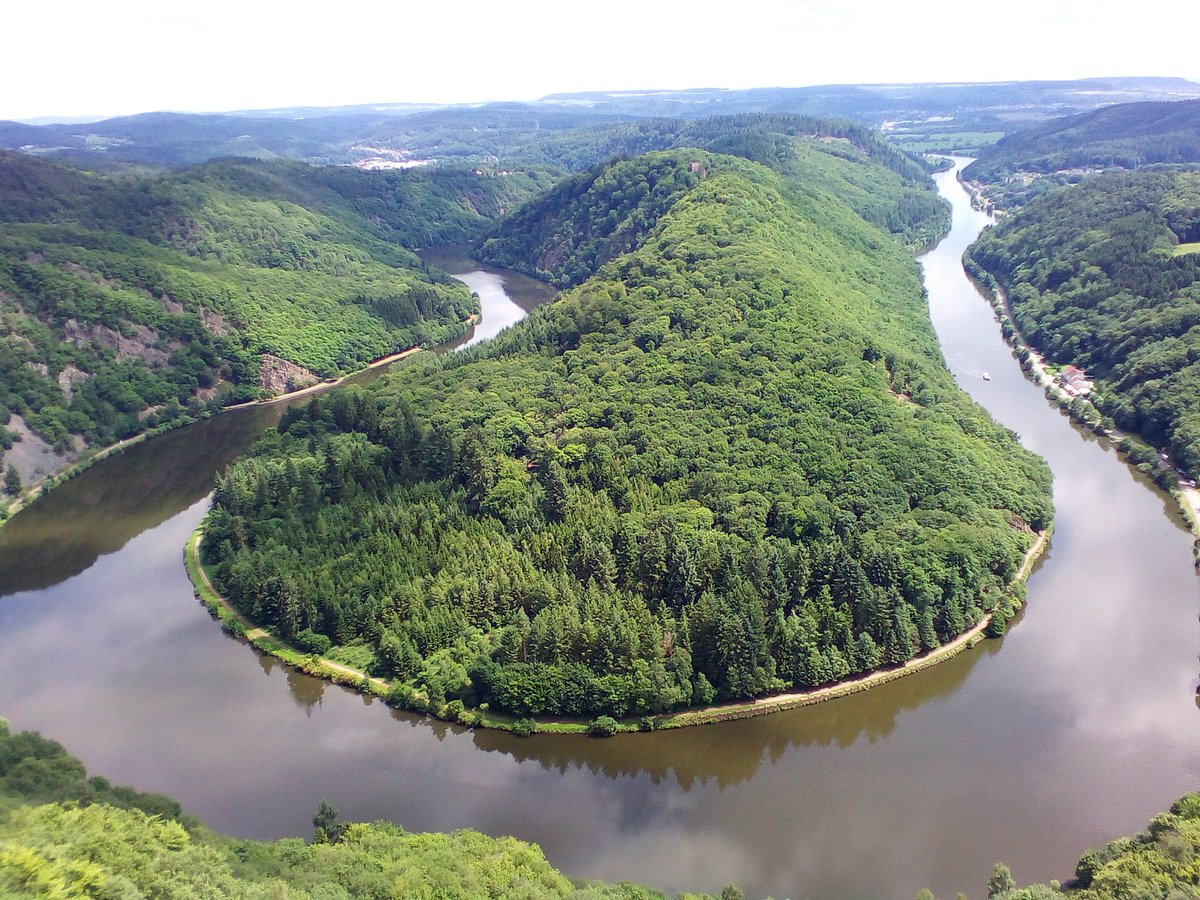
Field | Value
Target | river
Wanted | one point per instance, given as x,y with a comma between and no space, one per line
1073,729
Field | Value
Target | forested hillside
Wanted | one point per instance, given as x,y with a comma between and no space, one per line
589,219
1028,163
729,463
1105,276
598,214
64,835
133,299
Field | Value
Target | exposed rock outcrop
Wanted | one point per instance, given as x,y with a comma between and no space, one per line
68,378
279,376
145,344
215,323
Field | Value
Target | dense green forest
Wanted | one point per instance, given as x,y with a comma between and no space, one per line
595,216
591,218
886,187
1033,161
1105,275
729,463
133,299
64,835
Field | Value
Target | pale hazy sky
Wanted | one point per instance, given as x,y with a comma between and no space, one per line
76,57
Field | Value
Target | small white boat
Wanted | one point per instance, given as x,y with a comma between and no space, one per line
987,376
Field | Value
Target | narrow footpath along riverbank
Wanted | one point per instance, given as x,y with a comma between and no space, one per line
323,667
796,699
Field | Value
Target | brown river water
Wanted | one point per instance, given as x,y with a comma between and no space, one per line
1073,729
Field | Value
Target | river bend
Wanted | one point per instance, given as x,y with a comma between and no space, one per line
1073,729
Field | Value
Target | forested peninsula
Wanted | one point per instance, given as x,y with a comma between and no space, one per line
134,299
730,462
1105,276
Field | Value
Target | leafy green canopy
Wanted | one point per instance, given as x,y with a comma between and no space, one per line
1096,279
732,462
125,300
593,217
65,837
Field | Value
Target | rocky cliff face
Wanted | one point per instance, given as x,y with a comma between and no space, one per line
145,344
279,376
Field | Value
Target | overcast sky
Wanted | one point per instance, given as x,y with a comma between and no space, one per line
72,57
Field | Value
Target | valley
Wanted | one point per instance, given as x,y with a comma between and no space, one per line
105,648
412,418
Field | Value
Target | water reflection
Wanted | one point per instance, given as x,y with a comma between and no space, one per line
104,507
733,752
306,690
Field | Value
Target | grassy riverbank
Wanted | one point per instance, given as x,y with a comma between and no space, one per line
397,694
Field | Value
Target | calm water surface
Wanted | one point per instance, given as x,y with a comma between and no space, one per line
1075,728
506,297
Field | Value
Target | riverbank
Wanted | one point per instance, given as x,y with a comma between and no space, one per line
53,479
979,198
1079,407
399,695
330,384
796,699
89,459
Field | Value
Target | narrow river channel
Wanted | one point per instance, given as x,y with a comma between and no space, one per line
1073,729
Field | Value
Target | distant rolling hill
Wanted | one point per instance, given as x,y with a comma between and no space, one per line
592,217
1125,136
946,116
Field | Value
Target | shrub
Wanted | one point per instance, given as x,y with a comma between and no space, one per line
234,627
602,726
400,695
311,642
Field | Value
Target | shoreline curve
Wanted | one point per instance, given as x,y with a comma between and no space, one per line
261,639
1033,365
